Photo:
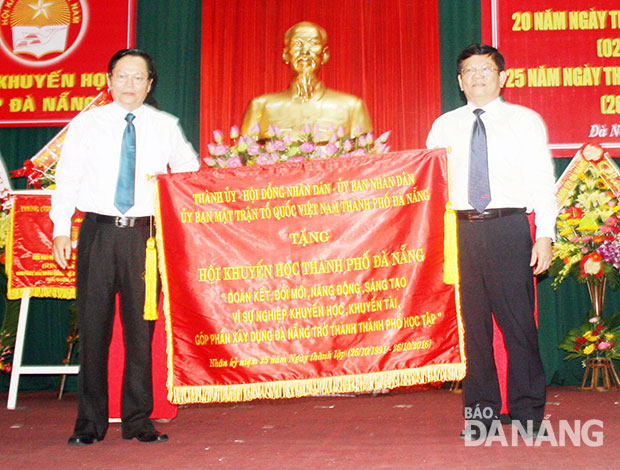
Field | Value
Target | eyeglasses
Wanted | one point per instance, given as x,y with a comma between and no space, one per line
485,71
136,80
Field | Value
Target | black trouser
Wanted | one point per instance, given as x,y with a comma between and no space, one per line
496,279
110,260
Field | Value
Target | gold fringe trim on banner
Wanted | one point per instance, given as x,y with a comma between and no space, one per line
450,253
150,281
321,386
54,292
8,255
165,291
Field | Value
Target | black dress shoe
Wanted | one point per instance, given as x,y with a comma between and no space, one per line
472,434
533,429
82,439
479,430
148,436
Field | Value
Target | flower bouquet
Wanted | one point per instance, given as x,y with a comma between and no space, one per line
596,337
280,147
588,226
6,352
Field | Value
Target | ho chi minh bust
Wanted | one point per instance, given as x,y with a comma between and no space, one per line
306,101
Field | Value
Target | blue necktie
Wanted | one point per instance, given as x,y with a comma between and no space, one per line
479,195
124,196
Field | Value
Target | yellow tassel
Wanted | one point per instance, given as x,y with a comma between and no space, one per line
450,264
150,281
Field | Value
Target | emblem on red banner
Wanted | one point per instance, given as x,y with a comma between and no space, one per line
39,32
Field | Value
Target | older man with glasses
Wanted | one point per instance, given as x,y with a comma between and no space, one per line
108,158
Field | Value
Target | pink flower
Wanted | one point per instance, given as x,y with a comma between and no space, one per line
340,132
247,139
611,221
361,141
217,135
217,150
254,130
603,345
586,238
306,129
234,132
270,147
382,148
358,153
263,159
307,147
253,149
280,145
234,161
594,319
347,145
384,137
331,149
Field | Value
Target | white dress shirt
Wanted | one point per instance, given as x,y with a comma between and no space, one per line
88,166
520,164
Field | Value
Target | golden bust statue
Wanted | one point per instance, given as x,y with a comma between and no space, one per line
306,101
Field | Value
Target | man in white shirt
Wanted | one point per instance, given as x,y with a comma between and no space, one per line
112,240
496,254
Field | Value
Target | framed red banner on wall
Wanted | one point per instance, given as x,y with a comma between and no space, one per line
54,56
563,61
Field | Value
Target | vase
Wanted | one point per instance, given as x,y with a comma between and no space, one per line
596,289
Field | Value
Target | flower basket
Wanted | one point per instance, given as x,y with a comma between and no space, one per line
587,248
280,147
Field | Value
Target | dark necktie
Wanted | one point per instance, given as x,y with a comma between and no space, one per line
479,195
124,196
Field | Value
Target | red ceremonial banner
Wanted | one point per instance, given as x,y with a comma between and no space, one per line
54,56
309,278
29,261
562,60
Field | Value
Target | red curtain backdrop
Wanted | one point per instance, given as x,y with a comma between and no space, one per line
384,51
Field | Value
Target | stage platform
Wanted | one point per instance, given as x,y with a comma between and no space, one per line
403,429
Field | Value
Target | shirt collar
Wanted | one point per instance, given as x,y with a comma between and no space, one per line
121,112
493,105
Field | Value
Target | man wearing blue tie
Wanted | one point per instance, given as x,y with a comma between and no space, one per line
500,169
107,159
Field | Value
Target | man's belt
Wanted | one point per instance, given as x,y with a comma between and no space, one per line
121,222
473,215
